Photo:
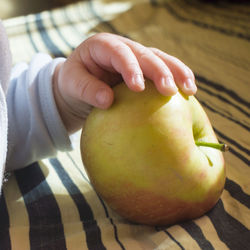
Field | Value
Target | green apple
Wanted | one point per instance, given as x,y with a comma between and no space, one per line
148,158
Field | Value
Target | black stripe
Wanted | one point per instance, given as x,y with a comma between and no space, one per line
5,243
235,235
92,230
173,239
30,36
196,233
54,50
237,193
101,201
225,5
205,25
220,88
46,229
233,151
227,16
233,142
112,223
240,156
164,229
231,6
59,32
153,2
204,104
233,2
223,99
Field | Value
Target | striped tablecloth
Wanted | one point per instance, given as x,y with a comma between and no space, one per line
51,204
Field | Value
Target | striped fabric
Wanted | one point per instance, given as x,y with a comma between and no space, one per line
51,204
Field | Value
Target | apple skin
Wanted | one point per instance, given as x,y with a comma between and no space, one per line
141,158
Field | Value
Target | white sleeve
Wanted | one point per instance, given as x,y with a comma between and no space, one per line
35,130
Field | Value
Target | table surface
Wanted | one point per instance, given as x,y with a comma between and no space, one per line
51,204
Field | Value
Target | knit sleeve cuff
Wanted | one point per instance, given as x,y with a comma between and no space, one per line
50,112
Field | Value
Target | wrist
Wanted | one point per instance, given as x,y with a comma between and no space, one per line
71,122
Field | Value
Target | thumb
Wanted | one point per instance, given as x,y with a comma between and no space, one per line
77,85
76,91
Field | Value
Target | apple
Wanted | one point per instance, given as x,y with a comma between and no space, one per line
152,157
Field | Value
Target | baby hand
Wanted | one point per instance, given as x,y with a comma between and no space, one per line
104,60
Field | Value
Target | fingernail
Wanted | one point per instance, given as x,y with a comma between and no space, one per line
102,97
138,80
190,85
168,82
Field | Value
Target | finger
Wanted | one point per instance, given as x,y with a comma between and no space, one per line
107,75
183,75
116,56
153,67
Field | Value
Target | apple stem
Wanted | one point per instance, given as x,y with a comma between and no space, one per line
221,146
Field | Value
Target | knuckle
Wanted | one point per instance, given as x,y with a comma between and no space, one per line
159,52
81,86
133,65
118,49
100,35
155,50
144,52
174,61
191,73
132,68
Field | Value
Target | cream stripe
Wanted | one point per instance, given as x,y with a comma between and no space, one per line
18,215
20,44
210,232
131,236
239,174
183,237
73,228
236,209
163,241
